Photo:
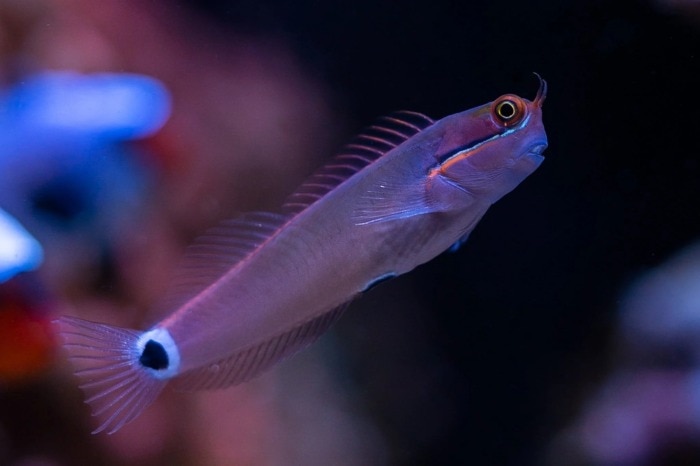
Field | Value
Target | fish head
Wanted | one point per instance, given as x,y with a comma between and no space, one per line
488,150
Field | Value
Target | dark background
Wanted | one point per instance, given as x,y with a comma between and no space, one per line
479,357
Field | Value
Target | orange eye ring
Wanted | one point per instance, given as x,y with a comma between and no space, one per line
508,110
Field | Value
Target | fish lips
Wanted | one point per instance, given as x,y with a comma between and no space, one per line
535,151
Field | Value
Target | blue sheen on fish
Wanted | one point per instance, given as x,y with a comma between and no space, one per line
257,289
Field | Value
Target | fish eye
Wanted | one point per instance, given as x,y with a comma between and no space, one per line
508,110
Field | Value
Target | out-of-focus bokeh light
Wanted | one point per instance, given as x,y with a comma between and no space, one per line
662,309
19,251
648,407
106,106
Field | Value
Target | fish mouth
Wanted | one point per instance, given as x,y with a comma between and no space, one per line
537,149
534,153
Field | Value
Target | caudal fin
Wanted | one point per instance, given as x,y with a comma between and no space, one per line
106,359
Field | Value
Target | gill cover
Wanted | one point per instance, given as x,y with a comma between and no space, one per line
503,144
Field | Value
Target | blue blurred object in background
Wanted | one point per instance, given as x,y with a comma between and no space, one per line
108,106
63,167
19,251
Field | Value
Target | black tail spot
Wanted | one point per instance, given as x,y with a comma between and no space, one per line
154,356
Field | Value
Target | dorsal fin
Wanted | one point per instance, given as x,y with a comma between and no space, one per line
376,140
248,363
211,255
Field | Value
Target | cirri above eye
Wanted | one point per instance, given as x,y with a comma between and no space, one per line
508,110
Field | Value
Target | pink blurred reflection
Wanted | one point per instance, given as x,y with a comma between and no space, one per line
648,409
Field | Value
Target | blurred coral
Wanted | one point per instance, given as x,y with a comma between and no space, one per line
648,408
27,342
113,214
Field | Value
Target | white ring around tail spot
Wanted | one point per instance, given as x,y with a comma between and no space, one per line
162,336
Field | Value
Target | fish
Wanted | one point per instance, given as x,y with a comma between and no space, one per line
254,290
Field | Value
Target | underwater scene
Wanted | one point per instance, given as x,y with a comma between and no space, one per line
349,233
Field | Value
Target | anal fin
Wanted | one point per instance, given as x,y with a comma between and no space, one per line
250,362
458,244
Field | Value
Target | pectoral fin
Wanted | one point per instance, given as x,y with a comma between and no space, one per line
407,197
392,201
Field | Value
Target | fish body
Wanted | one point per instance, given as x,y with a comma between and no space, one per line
257,289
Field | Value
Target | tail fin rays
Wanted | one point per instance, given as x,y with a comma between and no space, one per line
106,360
